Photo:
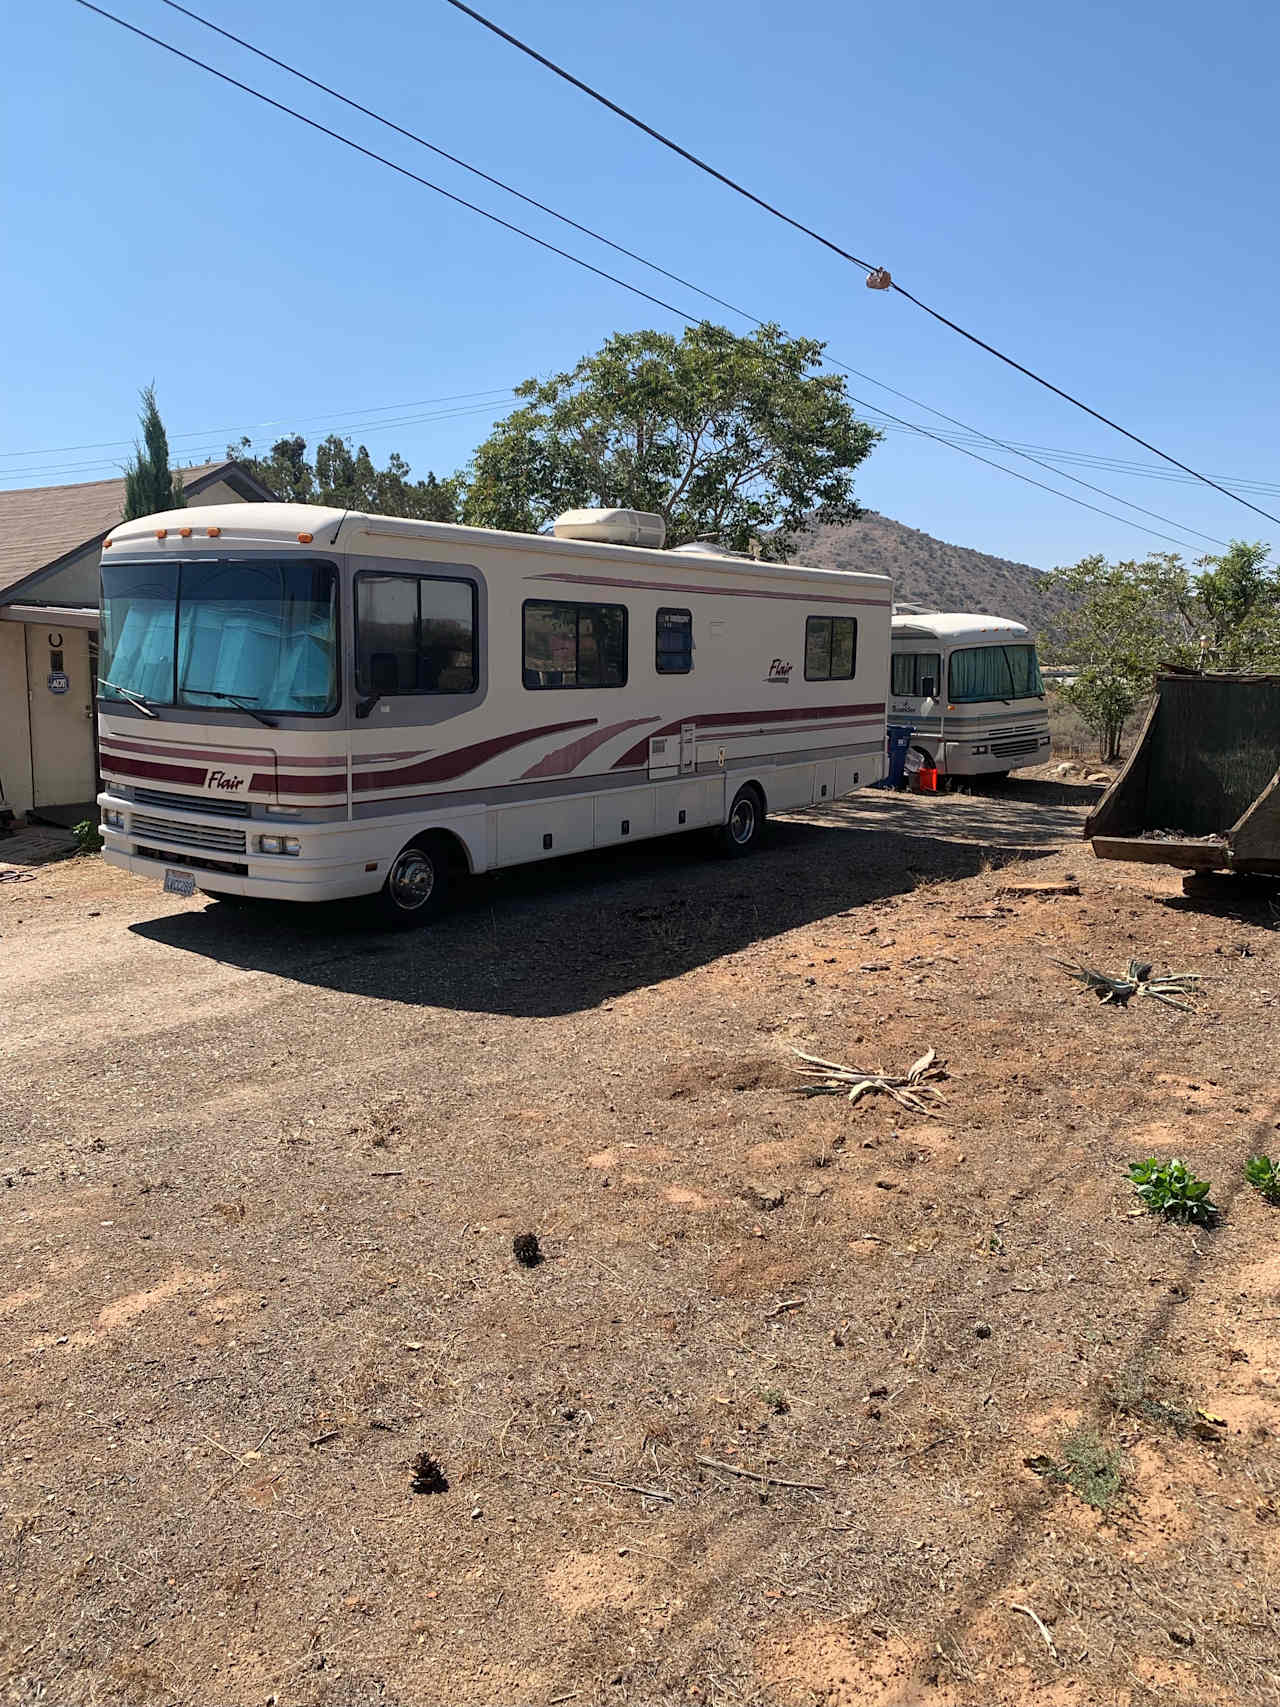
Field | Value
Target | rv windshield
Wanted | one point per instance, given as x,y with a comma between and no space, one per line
259,630
995,672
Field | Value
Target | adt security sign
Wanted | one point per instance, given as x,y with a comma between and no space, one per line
59,681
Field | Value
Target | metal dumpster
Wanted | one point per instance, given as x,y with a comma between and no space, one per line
1201,789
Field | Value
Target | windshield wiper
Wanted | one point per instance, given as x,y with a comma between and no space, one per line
239,700
128,694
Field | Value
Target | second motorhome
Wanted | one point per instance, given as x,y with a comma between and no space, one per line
306,703
969,687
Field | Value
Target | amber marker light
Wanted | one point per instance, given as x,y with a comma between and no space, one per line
304,539
214,533
185,533
162,533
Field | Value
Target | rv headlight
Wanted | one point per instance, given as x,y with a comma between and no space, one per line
268,844
978,752
290,845
111,819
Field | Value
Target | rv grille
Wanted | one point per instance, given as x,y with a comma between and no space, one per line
192,803
1015,749
189,835
228,867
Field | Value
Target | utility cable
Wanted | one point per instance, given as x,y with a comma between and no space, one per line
542,243
588,231
875,273
444,154
382,160
252,426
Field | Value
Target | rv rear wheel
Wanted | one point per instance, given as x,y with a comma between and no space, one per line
741,831
416,888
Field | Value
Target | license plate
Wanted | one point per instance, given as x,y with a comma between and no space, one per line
179,882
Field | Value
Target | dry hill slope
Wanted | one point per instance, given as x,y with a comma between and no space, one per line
931,572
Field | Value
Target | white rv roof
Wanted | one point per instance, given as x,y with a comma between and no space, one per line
318,527
958,626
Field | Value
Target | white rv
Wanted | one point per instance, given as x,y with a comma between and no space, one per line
307,703
970,688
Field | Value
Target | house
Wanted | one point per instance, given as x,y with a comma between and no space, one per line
50,542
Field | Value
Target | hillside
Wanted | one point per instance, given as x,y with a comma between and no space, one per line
928,571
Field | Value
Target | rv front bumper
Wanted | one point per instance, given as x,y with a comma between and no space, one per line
225,856
982,758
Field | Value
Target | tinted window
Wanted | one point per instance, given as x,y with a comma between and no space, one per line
674,656
830,648
258,633
910,670
574,645
415,634
995,672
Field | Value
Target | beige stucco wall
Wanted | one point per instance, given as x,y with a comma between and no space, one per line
15,725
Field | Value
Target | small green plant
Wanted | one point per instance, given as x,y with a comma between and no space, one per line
87,838
1090,1470
1264,1175
1093,1472
1172,1190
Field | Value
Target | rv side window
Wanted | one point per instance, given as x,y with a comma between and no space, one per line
574,646
674,642
912,670
415,634
830,648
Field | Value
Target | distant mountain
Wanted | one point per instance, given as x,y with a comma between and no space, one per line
928,571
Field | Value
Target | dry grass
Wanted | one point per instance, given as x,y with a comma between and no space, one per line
215,1394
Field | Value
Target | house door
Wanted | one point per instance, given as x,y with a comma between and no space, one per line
61,700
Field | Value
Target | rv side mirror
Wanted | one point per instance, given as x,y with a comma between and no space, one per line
928,687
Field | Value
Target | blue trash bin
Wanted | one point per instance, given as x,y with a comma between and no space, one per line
897,741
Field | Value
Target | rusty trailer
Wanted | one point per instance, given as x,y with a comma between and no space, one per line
1201,789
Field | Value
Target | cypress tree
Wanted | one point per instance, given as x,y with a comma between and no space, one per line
149,485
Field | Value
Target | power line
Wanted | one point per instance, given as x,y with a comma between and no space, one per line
403,171
1039,461
382,160
283,420
218,453
845,254
588,231
412,136
925,432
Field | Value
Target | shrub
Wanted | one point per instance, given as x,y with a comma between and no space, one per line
1172,1190
1264,1176
87,838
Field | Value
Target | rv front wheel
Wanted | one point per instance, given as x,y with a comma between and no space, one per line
416,886
740,833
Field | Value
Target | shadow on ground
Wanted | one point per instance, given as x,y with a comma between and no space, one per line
567,935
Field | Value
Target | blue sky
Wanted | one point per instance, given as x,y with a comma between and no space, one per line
1091,187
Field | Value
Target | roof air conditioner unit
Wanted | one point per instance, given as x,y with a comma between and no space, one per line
613,527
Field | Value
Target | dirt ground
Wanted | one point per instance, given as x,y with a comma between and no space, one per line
260,1178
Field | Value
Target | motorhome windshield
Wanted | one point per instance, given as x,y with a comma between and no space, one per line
261,631
994,672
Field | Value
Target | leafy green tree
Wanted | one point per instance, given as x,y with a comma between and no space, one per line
1128,619
1238,599
736,439
149,485
347,478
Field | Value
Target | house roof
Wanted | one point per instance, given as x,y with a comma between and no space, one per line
42,526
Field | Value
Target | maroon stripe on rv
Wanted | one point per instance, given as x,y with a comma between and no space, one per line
218,755
156,772
324,782
562,760
695,587
712,722
448,765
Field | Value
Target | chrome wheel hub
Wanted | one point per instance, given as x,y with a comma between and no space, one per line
412,879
